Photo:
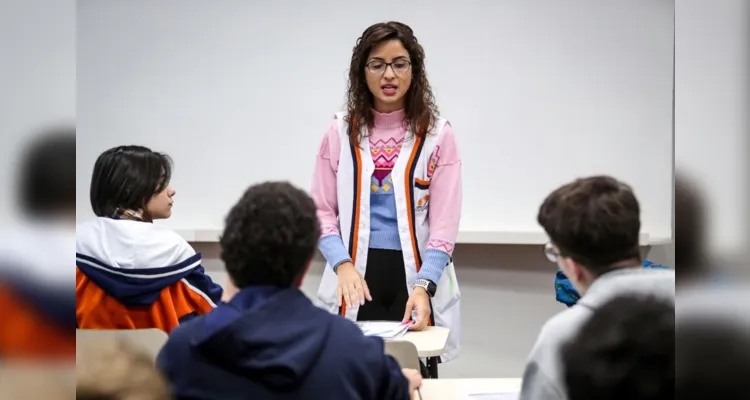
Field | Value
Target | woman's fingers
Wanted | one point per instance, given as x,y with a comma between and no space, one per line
353,290
360,293
346,295
353,298
366,290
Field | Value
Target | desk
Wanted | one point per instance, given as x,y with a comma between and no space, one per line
457,389
430,342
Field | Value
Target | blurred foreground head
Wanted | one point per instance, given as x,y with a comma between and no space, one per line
626,350
712,343
46,174
36,381
115,369
690,230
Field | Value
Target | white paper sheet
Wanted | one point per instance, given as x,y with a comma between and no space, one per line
492,396
383,329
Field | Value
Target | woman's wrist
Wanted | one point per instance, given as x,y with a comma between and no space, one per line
333,250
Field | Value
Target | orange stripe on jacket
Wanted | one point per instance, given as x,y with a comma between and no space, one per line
95,309
356,212
410,201
24,333
410,207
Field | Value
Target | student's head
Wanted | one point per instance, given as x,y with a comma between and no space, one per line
46,177
593,225
129,179
713,351
270,236
387,73
114,369
626,350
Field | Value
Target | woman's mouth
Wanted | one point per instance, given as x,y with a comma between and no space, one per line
389,90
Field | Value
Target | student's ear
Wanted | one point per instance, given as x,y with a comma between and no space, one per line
581,274
573,271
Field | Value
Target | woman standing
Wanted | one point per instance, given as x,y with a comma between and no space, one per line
388,191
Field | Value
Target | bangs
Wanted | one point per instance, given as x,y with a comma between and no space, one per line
165,164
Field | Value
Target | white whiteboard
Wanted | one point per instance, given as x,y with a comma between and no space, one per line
539,92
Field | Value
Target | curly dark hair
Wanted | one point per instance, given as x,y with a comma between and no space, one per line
270,235
626,350
421,110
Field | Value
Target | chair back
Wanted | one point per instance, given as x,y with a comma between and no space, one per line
404,352
151,340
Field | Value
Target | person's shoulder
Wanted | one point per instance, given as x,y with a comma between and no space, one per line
332,137
559,329
544,361
179,340
163,247
443,131
338,118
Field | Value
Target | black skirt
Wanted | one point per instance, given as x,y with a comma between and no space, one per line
386,279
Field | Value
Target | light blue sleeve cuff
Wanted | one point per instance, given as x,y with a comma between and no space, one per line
332,247
433,265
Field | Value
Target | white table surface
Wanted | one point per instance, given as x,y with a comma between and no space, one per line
430,342
458,389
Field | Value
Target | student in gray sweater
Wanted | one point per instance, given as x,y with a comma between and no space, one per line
593,224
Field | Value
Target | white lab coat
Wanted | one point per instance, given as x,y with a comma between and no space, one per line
353,189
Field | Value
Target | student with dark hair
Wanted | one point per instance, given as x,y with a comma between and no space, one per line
130,272
269,341
593,224
625,351
36,293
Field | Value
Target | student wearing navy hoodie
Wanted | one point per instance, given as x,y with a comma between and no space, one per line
269,341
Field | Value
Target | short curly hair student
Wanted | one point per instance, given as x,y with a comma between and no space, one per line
626,350
270,236
269,341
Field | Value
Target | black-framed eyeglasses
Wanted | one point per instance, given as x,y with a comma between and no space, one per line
378,67
550,252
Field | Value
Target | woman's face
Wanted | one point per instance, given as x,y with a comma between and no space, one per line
160,205
388,72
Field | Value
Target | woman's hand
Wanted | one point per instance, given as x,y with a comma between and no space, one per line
352,287
419,301
414,378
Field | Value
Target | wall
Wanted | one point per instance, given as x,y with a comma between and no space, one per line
538,93
712,123
507,295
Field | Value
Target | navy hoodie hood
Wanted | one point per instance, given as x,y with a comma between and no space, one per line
266,334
